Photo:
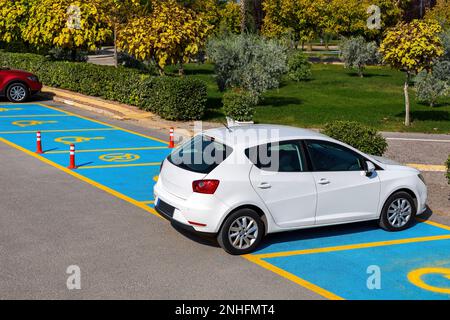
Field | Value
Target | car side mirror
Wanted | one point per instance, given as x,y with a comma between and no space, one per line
370,168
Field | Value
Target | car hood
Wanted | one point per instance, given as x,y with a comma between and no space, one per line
19,72
390,164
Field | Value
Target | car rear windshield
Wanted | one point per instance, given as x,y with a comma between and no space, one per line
201,154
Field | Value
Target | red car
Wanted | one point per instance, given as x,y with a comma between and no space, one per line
18,85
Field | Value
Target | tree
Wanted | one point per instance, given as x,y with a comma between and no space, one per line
230,17
13,14
440,12
118,13
412,47
432,85
170,34
357,53
67,24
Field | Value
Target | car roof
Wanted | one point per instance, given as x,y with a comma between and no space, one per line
256,134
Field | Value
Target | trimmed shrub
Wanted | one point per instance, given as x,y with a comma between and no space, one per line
448,169
249,62
299,68
239,105
170,98
174,98
430,86
357,53
361,137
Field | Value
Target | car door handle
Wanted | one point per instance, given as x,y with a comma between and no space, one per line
264,185
323,181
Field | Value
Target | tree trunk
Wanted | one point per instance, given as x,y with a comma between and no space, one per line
181,70
116,59
243,14
406,88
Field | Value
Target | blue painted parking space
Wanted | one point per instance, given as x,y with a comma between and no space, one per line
118,159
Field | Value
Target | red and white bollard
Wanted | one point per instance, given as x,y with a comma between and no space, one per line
38,143
171,139
72,157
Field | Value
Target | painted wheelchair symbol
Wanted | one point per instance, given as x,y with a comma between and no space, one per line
416,277
119,157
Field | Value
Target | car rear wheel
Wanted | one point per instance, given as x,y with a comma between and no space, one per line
398,212
17,92
241,232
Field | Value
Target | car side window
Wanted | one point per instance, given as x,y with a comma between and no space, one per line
278,157
328,156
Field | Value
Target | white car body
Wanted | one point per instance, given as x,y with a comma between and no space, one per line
287,200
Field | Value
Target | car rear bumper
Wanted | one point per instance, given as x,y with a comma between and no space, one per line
200,212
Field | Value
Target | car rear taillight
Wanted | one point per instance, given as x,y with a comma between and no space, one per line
205,186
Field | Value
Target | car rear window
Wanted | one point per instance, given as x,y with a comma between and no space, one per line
201,154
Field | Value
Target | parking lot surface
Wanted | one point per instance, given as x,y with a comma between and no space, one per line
330,262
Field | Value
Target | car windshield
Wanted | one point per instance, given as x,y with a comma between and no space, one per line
201,154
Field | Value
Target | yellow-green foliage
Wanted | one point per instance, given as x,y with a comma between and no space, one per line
412,46
171,34
230,17
47,24
12,15
440,12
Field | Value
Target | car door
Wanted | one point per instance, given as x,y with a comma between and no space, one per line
280,178
344,191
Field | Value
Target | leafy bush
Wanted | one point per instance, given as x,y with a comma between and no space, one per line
299,67
430,86
357,53
446,43
129,61
239,105
171,98
448,169
248,62
361,137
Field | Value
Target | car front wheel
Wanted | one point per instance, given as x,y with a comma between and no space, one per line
17,92
241,232
398,212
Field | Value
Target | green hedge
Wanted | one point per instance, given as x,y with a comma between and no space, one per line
171,98
361,137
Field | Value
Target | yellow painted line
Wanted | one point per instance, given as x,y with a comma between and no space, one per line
351,247
37,115
67,130
436,224
287,275
148,202
87,180
427,167
147,164
104,123
107,150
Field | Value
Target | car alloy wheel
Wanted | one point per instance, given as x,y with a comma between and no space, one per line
399,212
17,93
243,232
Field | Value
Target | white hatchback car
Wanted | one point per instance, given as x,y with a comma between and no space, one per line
241,183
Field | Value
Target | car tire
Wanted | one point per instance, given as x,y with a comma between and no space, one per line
238,234
398,212
17,92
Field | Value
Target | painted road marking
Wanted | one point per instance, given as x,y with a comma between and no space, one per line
148,164
416,278
427,167
83,178
66,130
420,140
148,202
35,115
113,149
10,109
104,123
31,123
119,157
350,247
76,140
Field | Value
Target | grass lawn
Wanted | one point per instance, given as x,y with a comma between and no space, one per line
336,93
